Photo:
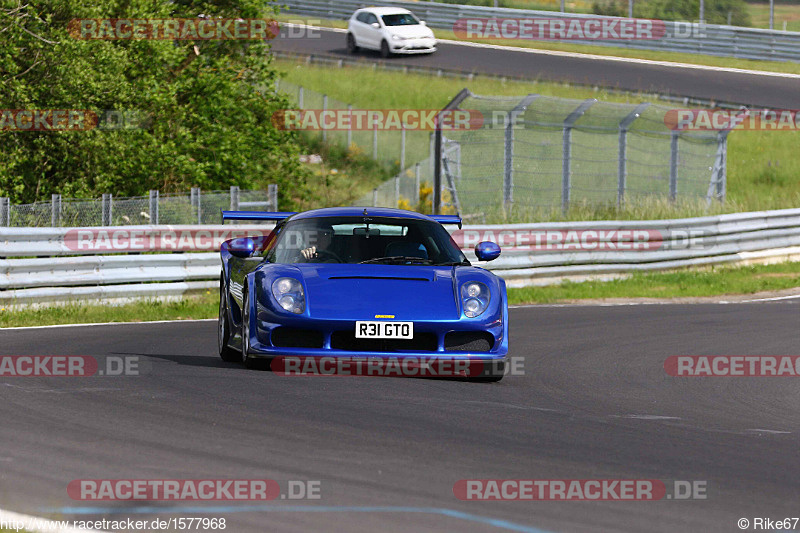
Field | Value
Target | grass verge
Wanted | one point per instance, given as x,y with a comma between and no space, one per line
193,307
663,285
612,51
762,165
718,281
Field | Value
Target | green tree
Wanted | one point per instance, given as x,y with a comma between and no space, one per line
207,103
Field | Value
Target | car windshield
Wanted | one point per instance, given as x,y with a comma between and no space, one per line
364,239
400,19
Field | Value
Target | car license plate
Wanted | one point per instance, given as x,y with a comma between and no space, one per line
384,330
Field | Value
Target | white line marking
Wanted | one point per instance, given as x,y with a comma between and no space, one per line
38,524
772,431
107,324
647,417
579,55
791,297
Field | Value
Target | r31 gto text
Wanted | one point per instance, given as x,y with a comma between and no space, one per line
393,330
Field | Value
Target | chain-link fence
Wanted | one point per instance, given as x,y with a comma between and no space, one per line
196,207
535,155
395,148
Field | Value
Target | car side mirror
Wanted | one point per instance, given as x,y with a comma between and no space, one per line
242,247
375,25
422,22
487,251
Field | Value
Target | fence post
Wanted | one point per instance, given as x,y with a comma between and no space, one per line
234,197
508,151
349,130
397,191
375,197
673,167
402,147
300,97
416,184
195,198
566,172
722,167
55,210
324,108
108,209
5,211
272,191
624,125
375,141
431,154
154,207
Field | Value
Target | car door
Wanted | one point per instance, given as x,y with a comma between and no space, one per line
358,28
372,35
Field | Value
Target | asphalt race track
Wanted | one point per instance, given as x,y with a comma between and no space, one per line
594,403
716,85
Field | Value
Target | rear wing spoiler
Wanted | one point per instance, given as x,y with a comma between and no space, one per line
447,219
256,215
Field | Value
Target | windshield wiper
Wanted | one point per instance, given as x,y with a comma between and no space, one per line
398,259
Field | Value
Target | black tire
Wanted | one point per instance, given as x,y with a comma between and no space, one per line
251,363
385,50
492,372
224,329
351,44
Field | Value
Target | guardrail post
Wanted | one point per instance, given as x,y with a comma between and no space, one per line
673,167
324,108
566,171
108,209
508,151
272,191
154,207
5,211
234,198
55,210
624,124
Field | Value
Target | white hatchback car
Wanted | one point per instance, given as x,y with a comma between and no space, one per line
391,30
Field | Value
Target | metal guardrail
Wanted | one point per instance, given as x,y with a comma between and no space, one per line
768,236
684,37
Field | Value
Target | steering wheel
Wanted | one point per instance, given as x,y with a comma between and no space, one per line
326,256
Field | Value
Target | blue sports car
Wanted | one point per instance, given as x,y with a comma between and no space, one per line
351,282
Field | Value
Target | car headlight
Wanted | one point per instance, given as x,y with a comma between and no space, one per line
398,38
288,292
474,298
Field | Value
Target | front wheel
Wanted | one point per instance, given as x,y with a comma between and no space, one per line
493,371
224,329
352,47
385,51
249,362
